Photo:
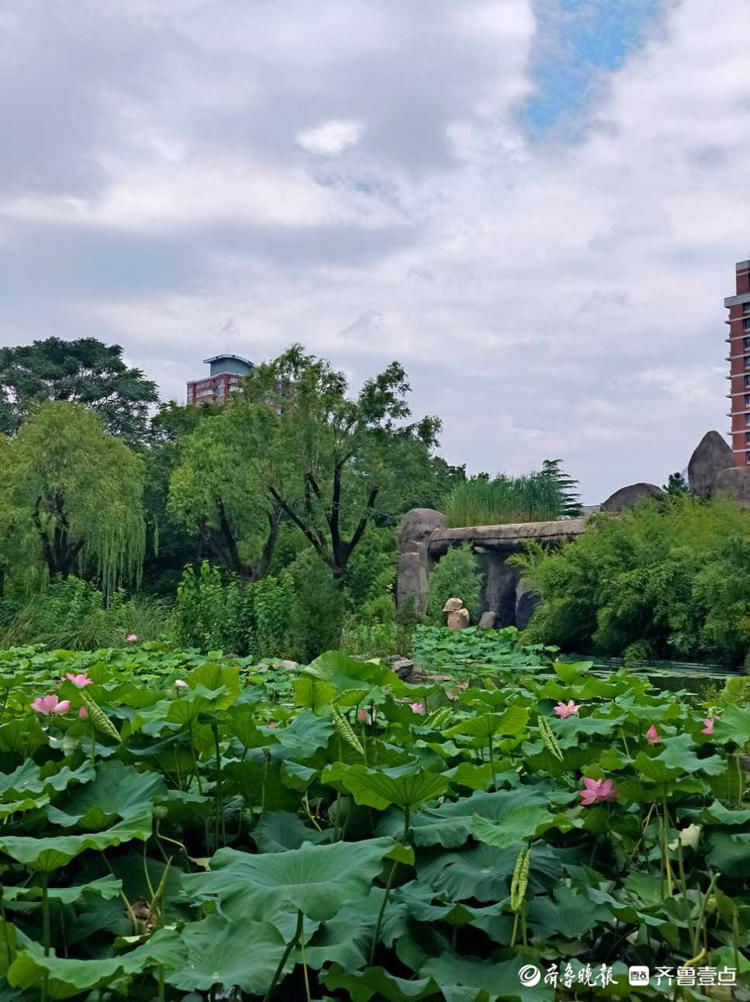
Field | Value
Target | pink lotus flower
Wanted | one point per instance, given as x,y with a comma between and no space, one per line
364,717
82,713
271,724
416,707
47,705
709,725
132,638
652,735
80,680
597,790
569,709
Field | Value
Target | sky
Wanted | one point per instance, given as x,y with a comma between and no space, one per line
535,205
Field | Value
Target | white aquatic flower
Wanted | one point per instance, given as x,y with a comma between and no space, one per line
179,684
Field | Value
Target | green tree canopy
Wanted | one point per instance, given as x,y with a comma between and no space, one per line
214,489
668,579
71,496
84,371
296,446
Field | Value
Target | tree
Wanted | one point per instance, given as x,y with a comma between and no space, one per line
214,489
676,485
295,447
72,496
170,546
84,371
572,507
332,463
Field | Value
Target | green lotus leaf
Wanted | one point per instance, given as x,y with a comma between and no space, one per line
317,879
313,693
375,982
280,831
571,914
68,977
242,953
733,725
490,725
48,854
304,736
105,887
523,822
118,791
353,679
498,981
730,853
220,684
451,823
404,786
717,813
23,736
677,758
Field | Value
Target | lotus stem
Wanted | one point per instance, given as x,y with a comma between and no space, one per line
381,912
282,963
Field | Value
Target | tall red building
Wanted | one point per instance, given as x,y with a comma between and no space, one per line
225,377
739,364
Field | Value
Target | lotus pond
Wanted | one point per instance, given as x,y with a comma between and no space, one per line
175,827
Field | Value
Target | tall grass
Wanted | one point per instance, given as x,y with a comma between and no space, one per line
70,614
536,497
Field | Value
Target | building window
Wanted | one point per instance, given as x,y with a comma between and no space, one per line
747,400
746,323
747,343
747,382
746,309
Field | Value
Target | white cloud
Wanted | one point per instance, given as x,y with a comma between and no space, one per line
547,297
332,137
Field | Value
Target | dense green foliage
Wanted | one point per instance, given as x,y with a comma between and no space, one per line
73,613
84,371
457,575
669,581
297,447
335,833
538,497
71,497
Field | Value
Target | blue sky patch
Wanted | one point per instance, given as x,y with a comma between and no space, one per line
577,41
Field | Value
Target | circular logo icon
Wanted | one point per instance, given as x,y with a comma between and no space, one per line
529,975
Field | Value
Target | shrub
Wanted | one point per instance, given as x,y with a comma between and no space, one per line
457,575
209,611
318,613
269,606
668,581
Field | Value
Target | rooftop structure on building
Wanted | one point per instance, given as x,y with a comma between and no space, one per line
739,364
225,377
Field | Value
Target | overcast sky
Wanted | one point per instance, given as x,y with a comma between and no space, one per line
535,205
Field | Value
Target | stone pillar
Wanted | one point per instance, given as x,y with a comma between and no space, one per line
526,602
501,589
414,558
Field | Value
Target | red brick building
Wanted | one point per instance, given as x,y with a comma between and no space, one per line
225,377
739,364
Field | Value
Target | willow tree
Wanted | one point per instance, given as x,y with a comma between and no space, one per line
72,496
